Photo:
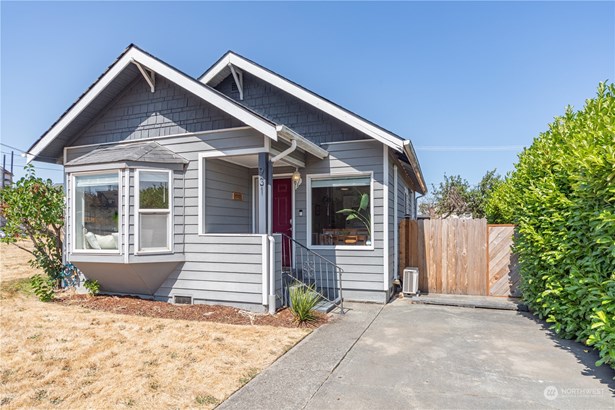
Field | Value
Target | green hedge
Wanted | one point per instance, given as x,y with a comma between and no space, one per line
561,196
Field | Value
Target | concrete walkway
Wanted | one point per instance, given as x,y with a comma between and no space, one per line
406,355
291,381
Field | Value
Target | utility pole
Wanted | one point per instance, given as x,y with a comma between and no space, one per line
3,168
12,155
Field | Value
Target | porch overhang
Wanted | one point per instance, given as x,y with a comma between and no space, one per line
146,151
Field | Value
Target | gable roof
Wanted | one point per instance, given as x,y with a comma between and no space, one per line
116,77
221,69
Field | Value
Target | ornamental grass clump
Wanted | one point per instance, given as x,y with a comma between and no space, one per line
303,300
561,196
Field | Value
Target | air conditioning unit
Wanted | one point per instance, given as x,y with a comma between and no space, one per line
411,280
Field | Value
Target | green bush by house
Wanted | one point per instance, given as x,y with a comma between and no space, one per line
561,196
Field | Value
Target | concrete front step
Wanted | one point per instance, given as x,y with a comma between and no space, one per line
484,302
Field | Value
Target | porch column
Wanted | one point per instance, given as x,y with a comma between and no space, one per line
265,181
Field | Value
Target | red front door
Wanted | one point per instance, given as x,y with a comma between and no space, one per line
283,213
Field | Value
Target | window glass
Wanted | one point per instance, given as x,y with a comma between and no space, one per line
154,211
341,211
153,190
154,231
96,203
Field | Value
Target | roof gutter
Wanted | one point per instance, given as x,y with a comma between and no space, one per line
414,163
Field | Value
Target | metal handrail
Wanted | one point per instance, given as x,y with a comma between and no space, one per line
309,250
339,271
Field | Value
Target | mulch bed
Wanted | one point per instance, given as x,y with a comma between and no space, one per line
130,305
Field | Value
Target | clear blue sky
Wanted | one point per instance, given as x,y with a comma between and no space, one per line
468,82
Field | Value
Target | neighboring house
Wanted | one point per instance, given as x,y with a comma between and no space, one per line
206,190
7,177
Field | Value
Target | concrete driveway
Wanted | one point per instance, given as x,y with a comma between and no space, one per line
422,356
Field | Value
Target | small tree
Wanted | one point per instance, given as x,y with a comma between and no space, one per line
451,197
455,196
34,209
482,192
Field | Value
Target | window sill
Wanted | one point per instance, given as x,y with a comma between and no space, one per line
96,252
342,247
154,252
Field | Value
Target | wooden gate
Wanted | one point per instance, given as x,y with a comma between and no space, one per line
460,256
503,268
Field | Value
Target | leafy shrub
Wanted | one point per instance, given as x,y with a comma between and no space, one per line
92,286
42,287
34,209
561,196
303,300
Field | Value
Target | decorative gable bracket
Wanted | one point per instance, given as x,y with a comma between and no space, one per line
148,74
238,77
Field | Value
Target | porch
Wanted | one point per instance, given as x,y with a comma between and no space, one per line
247,212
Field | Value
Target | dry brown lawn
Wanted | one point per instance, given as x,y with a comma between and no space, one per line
57,356
14,262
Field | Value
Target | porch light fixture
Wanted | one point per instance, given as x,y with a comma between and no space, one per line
297,178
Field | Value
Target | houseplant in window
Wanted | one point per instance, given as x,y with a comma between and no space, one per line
360,214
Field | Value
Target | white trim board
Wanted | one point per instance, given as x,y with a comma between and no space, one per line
385,215
133,54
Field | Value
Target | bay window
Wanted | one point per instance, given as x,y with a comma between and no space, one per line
153,211
340,211
96,212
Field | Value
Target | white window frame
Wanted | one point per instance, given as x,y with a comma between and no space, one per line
73,214
310,178
139,211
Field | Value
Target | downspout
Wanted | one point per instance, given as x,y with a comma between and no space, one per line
286,152
396,231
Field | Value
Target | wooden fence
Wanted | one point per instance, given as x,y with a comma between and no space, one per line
460,256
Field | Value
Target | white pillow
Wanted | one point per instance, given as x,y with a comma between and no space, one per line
106,241
91,241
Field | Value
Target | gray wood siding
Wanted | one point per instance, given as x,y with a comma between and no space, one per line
283,108
222,213
218,268
138,113
363,268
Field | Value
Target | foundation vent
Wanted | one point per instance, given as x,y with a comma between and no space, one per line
182,300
